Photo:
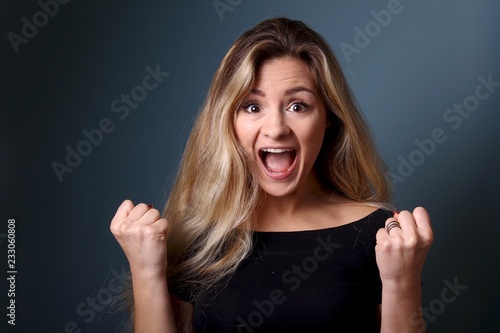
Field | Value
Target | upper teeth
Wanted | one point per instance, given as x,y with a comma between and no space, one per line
275,150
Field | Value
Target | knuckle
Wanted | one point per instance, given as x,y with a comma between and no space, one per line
142,206
427,242
148,232
162,223
393,244
127,203
384,245
116,227
404,212
411,241
427,239
155,213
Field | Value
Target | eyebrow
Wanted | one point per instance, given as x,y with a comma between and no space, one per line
288,92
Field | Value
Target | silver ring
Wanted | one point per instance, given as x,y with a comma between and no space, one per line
392,224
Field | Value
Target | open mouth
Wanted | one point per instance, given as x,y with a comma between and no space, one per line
278,160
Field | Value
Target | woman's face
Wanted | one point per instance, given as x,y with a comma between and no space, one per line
281,125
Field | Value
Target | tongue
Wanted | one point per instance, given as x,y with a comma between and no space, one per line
278,162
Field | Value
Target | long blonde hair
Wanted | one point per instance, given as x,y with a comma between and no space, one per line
216,194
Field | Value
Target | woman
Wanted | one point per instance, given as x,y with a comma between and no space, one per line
276,219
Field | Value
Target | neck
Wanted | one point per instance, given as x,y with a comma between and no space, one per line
292,207
289,205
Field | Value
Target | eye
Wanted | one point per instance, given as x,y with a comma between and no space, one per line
298,107
251,107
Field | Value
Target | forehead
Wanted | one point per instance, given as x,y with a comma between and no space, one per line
283,73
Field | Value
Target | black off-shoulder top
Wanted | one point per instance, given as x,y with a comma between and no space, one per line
322,280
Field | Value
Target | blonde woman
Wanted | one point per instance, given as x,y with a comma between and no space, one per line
279,217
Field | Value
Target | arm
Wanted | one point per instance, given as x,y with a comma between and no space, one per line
400,310
141,234
400,258
153,310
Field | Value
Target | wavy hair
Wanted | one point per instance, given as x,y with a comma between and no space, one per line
216,194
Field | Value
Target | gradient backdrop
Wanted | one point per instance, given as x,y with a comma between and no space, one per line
425,73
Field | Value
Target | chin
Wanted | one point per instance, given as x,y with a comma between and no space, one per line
278,189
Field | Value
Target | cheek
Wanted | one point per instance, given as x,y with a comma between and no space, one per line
243,134
313,135
238,129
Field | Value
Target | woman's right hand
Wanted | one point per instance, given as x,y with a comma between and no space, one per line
141,233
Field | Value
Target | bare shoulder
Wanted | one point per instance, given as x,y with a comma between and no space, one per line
346,211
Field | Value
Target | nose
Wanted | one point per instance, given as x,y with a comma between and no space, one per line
275,125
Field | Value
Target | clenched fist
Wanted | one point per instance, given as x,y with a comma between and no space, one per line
141,233
401,252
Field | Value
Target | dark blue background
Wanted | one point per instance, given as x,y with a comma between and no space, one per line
65,78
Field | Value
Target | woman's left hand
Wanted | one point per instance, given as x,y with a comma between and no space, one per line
401,252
